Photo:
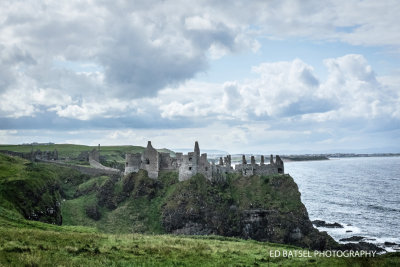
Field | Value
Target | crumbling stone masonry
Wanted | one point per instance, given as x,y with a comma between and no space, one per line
44,155
260,169
152,161
195,163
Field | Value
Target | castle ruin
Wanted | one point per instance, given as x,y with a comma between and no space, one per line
195,163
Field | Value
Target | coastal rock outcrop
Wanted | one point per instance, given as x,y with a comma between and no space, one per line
321,223
264,208
353,238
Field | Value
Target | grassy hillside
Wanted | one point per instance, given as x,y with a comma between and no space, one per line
125,206
31,189
28,243
128,205
110,154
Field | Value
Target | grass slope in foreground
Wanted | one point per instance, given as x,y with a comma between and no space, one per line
29,243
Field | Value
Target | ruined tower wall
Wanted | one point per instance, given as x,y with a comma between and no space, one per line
150,161
204,167
167,162
186,169
132,162
279,164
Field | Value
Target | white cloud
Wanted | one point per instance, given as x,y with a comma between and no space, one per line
86,110
145,46
134,63
193,99
290,89
198,23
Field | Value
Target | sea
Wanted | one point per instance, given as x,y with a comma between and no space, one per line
360,193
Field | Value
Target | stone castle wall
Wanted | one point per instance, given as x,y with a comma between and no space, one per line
133,162
167,162
186,168
150,161
193,163
94,155
37,155
260,169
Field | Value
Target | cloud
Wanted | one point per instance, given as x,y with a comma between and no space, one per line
143,47
198,23
289,95
133,65
283,91
231,98
353,86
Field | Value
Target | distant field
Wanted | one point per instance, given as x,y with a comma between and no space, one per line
111,153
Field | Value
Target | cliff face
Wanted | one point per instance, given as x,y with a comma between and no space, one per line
266,208
30,190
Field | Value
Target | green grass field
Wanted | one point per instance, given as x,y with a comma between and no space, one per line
111,154
82,241
28,243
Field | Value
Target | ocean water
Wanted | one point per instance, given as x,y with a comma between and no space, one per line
362,194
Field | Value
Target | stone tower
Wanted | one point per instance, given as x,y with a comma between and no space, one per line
196,149
150,161
196,157
253,160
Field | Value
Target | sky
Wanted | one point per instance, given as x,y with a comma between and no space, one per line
281,77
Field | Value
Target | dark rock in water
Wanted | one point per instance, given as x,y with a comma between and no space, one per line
362,246
353,238
370,247
348,231
321,223
390,244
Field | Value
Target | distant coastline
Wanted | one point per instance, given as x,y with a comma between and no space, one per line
304,158
288,158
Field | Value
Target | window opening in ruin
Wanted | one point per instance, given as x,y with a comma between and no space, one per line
280,170
190,168
206,168
126,163
147,161
190,159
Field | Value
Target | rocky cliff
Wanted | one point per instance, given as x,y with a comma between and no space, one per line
264,208
30,189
